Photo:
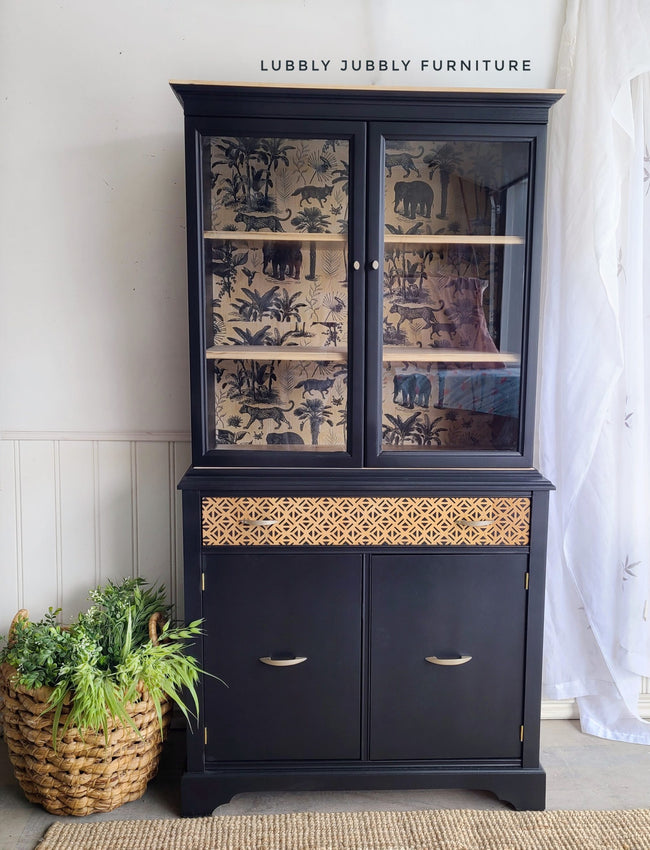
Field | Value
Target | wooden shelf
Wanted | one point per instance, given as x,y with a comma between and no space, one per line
399,353
276,352
449,239
271,236
341,239
260,448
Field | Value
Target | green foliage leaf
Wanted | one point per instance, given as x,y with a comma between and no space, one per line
105,658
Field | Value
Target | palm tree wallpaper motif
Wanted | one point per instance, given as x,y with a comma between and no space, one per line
311,220
446,160
276,277
448,296
270,291
316,413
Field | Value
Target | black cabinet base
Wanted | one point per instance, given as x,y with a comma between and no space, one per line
522,788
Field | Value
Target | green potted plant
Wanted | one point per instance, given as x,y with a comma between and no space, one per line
85,706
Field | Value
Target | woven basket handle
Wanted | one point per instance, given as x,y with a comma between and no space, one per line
156,622
23,614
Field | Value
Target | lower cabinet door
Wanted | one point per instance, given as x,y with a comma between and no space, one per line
284,632
447,656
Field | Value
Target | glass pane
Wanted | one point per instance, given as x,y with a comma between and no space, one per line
276,225
454,258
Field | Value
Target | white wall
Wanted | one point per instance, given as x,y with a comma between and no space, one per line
93,330
92,231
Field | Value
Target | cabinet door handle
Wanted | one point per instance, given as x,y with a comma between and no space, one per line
356,265
259,522
448,662
282,662
476,523
374,264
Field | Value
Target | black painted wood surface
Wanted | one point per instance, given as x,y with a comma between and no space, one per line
446,606
282,606
365,711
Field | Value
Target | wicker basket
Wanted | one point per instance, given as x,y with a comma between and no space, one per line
85,774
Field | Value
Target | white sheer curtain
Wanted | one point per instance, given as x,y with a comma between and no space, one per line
594,434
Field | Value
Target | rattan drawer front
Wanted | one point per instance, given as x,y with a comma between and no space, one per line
365,521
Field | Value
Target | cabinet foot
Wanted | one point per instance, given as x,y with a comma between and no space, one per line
525,791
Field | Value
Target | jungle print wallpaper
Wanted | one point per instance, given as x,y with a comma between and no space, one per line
268,289
279,292
447,296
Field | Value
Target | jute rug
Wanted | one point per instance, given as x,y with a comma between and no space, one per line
445,829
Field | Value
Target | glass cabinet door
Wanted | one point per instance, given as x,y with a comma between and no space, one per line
453,290
275,235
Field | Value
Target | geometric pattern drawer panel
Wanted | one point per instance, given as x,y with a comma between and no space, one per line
365,521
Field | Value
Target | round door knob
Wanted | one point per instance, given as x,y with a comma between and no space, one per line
375,264
356,265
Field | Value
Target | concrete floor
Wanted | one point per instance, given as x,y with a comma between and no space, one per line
582,773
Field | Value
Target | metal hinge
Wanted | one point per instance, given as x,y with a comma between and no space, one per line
527,580
205,735
521,734
202,581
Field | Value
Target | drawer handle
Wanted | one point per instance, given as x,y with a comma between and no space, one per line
282,662
259,522
448,662
476,523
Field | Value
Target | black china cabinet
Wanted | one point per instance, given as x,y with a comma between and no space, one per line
364,530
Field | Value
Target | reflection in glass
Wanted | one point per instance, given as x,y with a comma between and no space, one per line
453,294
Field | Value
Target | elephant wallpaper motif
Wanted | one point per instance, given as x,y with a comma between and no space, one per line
282,292
448,295
276,215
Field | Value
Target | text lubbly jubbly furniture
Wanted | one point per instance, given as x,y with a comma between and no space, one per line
364,532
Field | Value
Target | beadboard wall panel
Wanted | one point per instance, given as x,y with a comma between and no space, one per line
10,554
76,512
153,551
38,484
116,494
182,455
78,524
